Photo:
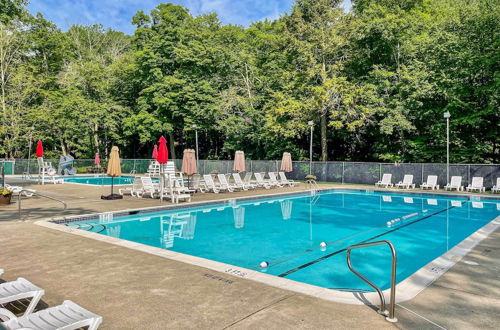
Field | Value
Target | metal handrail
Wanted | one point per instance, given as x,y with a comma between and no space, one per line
38,194
382,310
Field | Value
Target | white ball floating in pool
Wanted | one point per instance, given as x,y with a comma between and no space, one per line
323,244
264,264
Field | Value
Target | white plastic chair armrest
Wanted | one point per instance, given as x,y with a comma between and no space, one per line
6,315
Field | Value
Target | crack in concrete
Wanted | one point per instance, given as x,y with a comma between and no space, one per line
260,309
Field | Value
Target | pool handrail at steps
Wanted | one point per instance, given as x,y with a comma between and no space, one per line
389,314
38,194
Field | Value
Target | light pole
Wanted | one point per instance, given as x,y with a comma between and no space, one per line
311,124
196,139
29,149
447,116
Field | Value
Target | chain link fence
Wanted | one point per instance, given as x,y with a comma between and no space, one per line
340,172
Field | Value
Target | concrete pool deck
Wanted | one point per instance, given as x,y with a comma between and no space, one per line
135,290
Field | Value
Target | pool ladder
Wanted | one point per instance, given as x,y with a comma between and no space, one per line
382,310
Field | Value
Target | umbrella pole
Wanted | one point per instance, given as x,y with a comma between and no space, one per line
112,180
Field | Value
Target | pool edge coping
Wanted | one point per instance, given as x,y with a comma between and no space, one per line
406,290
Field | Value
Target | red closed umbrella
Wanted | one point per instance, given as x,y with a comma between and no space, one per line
97,160
155,152
39,149
162,156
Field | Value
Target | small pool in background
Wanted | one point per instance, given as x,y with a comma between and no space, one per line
286,232
99,180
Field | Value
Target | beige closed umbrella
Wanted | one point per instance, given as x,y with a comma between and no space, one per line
114,170
286,162
189,162
239,161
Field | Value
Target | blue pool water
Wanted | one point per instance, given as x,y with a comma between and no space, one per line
100,180
287,232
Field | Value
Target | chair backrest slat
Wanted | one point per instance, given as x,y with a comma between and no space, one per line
386,178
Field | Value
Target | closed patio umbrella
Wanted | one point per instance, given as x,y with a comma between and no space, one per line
239,161
39,149
155,152
189,162
162,158
114,170
286,162
97,159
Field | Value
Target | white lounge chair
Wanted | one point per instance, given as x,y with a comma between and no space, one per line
496,188
285,181
431,183
385,182
248,179
67,316
210,184
407,182
135,190
198,184
173,192
261,182
153,168
477,184
1,271
16,190
224,184
20,289
274,180
148,188
455,183
240,184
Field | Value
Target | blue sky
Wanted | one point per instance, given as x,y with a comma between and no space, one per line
117,14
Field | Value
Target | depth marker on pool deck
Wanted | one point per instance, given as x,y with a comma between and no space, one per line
310,263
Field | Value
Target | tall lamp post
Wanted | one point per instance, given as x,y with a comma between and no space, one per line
195,127
311,124
447,116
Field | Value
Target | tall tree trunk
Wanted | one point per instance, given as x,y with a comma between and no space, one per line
63,148
96,137
172,145
324,140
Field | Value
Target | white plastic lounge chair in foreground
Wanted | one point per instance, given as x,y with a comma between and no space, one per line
407,182
385,182
431,182
20,289
16,190
284,180
455,183
496,188
477,184
67,316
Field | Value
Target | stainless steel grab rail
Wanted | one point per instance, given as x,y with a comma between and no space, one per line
382,310
38,194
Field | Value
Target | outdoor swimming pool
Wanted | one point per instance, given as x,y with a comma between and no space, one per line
99,180
286,232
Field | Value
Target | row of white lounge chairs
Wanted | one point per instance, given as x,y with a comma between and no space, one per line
66,316
431,183
175,188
